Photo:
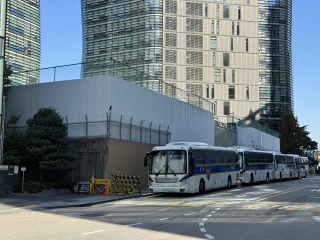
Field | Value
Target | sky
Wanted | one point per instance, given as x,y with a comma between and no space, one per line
61,44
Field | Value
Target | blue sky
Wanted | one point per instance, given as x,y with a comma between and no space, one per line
61,44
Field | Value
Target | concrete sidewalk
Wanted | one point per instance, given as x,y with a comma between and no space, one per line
36,201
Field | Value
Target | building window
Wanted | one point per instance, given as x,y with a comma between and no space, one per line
213,59
226,108
212,91
238,28
213,42
226,11
231,92
217,75
206,10
217,11
247,92
215,108
226,59
231,44
218,27
233,76
212,26
224,75
239,12
248,1
232,30
247,44
207,92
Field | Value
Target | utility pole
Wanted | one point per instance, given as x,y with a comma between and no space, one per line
3,18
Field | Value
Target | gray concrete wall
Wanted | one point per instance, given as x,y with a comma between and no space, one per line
224,137
93,96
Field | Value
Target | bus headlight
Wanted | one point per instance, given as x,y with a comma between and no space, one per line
184,182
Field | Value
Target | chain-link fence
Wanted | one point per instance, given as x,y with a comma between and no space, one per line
112,126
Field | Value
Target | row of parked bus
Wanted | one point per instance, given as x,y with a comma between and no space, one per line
191,167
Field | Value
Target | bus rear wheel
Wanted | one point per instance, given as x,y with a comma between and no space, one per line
201,187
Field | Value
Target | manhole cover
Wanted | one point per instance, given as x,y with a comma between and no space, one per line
70,200
93,215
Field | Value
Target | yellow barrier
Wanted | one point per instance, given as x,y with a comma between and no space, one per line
104,189
125,184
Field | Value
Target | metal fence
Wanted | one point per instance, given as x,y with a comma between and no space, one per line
111,67
112,126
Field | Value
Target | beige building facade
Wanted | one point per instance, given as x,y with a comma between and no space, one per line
211,49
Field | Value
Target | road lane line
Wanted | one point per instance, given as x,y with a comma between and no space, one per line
94,232
133,224
24,207
201,224
203,230
209,236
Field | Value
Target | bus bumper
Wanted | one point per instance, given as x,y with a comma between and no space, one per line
167,189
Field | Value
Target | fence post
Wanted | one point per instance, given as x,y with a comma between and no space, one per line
141,131
54,73
130,128
159,134
86,125
67,125
107,125
168,134
150,131
120,127
199,102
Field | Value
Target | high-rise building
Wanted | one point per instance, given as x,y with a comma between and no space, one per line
220,50
275,60
22,52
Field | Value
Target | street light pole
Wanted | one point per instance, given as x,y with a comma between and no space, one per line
3,12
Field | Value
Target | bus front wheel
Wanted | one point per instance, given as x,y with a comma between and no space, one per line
251,180
201,187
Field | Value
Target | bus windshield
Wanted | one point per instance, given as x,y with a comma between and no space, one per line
168,162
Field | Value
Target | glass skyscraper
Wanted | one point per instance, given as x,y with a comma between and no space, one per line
22,52
275,60
233,53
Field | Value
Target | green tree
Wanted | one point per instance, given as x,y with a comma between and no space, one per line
251,115
48,146
6,81
291,136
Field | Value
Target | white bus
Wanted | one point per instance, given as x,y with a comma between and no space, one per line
256,166
191,167
285,166
302,165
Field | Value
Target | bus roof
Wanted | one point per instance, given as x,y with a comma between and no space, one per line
189,144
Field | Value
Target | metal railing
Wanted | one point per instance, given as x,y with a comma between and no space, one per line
112,126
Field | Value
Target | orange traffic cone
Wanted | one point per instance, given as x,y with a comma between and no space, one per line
238,183
105,190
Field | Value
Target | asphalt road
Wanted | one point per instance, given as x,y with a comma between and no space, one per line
286,210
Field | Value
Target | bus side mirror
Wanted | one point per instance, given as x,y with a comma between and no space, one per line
147,159
191,161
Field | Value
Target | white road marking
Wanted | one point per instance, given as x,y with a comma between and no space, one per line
187,214
205,219
205,211
165,209
163,219
209,216
134,224
213,211
94,232
201,224
209,236
203,230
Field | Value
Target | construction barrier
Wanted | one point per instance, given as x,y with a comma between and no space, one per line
101,186
126,185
